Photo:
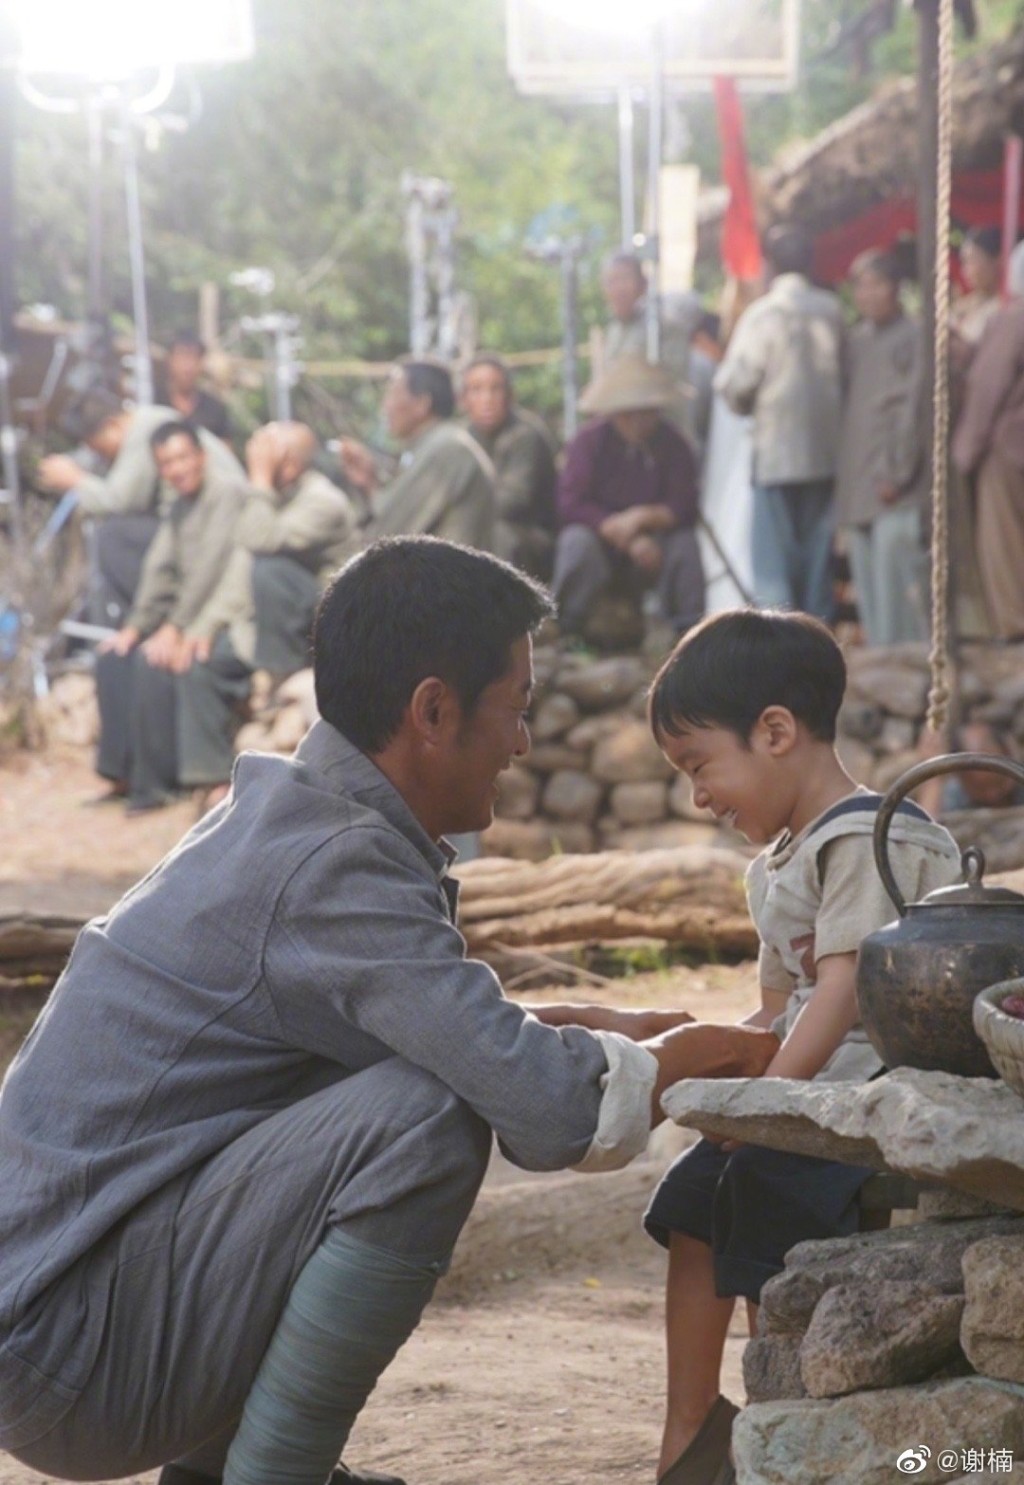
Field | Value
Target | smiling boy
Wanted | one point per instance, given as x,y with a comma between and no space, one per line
746,707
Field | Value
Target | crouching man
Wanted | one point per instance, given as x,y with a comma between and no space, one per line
239,1145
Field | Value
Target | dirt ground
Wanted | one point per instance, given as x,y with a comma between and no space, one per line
540,1362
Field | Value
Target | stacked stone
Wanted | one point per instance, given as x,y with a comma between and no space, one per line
910,1338
873,1344
594,779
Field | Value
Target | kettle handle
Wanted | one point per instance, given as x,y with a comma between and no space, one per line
929,769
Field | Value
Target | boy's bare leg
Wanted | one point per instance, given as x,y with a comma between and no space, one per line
696,1325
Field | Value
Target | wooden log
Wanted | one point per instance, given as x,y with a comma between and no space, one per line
691,896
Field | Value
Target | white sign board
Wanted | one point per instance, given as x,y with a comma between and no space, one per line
111,38
592,48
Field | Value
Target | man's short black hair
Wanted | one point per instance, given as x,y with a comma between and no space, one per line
430,379
495,362
788,248
627,260
407,608
730,668
878,261
171,429
187,340
988,239
96,408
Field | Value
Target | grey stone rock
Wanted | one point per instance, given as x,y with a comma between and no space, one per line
920,1253
899,689
554,716
614,623
1010,691
937,1202
898,735
856,1440
535,840
666,834
628,755
771,1368
878,1334
862,720
964,1132
570,795
992,1333
518,792
592,729
641,803
549,757
604,683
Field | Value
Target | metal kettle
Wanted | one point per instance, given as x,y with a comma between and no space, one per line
917,977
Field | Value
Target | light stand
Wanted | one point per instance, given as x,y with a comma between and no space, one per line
430,223
280,332
566,252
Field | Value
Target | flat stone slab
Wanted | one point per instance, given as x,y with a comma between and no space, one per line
966,1132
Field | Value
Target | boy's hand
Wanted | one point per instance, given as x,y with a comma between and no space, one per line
639,1026
704,1050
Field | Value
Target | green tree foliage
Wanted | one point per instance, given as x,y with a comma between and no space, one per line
294,160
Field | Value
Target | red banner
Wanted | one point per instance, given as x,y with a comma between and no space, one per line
741,243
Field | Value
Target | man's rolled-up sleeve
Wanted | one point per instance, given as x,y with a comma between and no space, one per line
624,1121
362,963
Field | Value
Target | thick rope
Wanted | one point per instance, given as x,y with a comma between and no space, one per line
940,660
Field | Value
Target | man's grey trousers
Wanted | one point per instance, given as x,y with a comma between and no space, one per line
159,731
145,1351
585,566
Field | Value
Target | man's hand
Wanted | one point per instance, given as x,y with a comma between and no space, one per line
263,457
162,648
639,1026
357,464
620,529
191,651
120,643
645,553
888,492
60,473
704,1050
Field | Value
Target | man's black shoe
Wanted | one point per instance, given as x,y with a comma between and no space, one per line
177,1474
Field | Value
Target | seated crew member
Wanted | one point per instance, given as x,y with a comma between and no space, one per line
628,501
128,499
154,729
181,386
296,528
239,1145
520,448
445,482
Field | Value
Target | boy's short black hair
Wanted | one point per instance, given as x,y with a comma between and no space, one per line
730,668
409,607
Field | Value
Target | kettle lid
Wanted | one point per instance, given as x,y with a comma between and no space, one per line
972,892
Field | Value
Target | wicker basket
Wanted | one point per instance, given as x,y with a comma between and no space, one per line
1002,1034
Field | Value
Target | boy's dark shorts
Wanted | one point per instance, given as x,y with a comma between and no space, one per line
751,1206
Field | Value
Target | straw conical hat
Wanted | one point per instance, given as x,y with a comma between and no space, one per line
630,384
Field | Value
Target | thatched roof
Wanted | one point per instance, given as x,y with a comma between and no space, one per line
870,155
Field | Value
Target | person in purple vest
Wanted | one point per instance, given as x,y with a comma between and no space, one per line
628,501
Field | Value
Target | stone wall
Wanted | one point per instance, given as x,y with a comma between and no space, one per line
871,1345
594,779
